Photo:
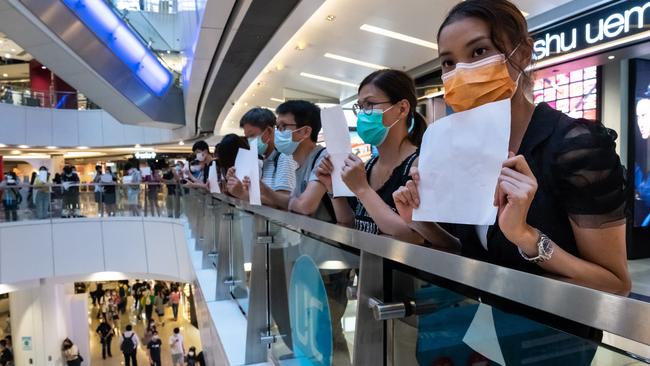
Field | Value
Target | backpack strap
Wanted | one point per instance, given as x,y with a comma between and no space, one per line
326,201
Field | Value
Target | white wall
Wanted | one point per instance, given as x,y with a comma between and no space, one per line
69,250
33,126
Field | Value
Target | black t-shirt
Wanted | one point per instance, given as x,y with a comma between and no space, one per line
580,177
104,330
154,348
171,187
398,178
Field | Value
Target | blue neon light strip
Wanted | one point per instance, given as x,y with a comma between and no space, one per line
100,19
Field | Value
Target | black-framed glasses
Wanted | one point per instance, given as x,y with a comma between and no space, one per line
367,107
283,127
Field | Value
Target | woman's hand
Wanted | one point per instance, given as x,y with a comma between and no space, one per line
407,198
234,185
324,172
514,194
353,174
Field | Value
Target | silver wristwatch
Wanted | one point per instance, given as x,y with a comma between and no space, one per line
544,250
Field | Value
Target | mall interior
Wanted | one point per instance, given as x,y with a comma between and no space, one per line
324,182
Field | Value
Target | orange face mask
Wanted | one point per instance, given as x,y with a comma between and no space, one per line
473,85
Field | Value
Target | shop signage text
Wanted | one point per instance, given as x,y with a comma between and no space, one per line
616,21
145,155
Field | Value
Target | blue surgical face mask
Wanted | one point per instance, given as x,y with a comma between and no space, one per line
261,146
370,127
284,142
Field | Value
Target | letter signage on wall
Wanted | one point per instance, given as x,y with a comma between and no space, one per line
603,25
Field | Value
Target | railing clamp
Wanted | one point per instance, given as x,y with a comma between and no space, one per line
268,339
228,216
351,292
265,240
231,281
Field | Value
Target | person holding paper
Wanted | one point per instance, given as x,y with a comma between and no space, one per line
561,196
70,192
204,159
278,170
386,118
132,181
42,193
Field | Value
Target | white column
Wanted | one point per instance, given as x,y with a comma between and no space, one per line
41,318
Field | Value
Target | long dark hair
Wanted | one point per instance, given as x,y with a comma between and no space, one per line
228,148
507,25
397,85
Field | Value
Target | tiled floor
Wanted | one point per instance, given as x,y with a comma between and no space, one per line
189,332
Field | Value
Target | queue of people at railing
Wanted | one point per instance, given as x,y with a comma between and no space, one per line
560,195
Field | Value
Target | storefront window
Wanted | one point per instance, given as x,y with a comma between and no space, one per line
574,93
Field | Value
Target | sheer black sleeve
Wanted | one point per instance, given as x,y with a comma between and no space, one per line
588,174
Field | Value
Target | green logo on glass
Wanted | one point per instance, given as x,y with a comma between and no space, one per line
311,326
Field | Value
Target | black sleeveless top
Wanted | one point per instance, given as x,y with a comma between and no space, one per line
398,178
580,178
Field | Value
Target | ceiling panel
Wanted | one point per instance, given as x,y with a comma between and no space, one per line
343,36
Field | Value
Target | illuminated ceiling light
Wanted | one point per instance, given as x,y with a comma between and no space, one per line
355,61
252,95
23,146
3,145
326,79
82,147
301,46
611,57
277,100
51,147
330,18
15,152
2,41
44,67
245,104
5,75
279,67
137,146
181,143
524,13
7,55
398,36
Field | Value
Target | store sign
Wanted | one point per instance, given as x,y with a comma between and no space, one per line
619,20
145,155
311,324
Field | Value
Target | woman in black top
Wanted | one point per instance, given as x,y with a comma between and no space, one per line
565,183
387,119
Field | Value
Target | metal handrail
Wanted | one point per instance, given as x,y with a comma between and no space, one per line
625,317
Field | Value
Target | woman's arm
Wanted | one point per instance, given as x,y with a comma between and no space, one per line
603,250
387,220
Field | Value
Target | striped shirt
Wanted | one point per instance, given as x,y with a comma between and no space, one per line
279,172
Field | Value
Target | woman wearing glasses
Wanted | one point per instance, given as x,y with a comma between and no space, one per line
386,118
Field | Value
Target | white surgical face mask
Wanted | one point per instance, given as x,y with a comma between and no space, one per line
200,156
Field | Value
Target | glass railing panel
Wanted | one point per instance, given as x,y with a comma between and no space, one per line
243,227
21,95
309,306
449,328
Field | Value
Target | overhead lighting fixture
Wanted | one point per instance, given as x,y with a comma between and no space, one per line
279,67
13,50
181,143
330,18
277,100
15,152
51,147
7,55
137,146
5,75
3,145
23,146
611,57
355,61
398,36
82,147
326,79
301,46
44,67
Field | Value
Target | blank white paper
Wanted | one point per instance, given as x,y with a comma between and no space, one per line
213,178
337,141
460,162
246,165
482,337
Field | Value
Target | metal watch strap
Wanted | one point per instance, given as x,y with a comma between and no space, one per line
544,250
